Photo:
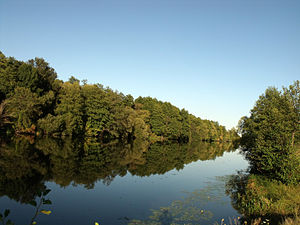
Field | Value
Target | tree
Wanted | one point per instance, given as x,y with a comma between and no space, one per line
271,134
70,108
35,75
165,119
292,95
25,108
156,119
97,110
46,75
73,80
8,75
185,125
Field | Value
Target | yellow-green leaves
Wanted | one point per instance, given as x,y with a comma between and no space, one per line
46,212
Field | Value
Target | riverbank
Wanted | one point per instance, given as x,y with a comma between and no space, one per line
261,199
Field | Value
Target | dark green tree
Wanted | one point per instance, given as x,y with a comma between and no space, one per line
98,106
70,109
46,75
8,75
25,108
270,135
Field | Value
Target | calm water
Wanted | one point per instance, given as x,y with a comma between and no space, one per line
115,183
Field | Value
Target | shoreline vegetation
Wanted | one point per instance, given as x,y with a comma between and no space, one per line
34,102
270,141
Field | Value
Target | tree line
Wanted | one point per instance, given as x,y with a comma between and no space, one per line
33,101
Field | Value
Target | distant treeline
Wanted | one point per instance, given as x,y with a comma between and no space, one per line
34,101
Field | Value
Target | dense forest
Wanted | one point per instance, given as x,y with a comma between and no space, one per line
33,101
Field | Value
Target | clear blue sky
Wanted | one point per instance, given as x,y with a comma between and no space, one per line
211,57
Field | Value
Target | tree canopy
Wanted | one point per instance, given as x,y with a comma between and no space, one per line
34,101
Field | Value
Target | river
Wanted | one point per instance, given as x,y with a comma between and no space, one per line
115,183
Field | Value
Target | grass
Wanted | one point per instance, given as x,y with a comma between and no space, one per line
291,221
254,195
272,197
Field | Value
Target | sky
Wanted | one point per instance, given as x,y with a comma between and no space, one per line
212,57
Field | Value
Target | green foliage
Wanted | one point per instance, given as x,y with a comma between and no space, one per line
46,75
54,125
271,134
37,102
97,110
171,123
106,112
156,119
254,195
69,110
73,80
35,75
25,107
8,75
26,88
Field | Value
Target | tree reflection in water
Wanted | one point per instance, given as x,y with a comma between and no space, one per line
26,164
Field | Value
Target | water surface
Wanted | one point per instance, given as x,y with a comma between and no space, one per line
116,183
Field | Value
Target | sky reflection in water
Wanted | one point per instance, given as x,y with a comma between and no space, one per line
117,184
